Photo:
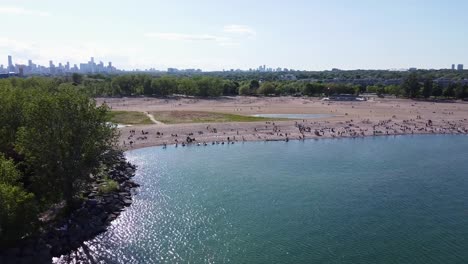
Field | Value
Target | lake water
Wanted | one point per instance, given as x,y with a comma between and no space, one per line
294,116
397,199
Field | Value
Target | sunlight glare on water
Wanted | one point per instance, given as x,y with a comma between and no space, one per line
373,200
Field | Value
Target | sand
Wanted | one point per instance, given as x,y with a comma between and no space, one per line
350,119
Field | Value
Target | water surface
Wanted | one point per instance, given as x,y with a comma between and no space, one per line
374,200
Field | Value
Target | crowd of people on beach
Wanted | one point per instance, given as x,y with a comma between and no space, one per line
299,130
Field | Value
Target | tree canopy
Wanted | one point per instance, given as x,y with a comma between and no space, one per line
51,141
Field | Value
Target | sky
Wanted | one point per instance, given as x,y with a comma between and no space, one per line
217,34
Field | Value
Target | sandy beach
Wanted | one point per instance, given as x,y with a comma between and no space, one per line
348,119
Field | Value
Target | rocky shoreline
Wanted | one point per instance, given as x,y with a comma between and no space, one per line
93,216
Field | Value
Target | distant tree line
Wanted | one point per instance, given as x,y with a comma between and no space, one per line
203,86
413,85
324,76
52,136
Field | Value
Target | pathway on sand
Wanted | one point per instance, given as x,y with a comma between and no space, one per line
151,117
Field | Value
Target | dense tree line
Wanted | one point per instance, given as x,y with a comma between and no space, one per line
203,86
51,140
415,86
240,76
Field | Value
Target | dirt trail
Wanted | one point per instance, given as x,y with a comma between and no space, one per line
151,117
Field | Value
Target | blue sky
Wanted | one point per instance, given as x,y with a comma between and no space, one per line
216,35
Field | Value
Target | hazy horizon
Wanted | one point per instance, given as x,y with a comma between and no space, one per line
213,35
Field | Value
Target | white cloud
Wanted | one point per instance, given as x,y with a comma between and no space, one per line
232,35
12,10
187,37
240,29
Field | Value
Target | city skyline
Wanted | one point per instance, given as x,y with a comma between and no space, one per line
31,68
214,35
91,66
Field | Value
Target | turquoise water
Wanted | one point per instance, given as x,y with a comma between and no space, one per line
294,116
369,200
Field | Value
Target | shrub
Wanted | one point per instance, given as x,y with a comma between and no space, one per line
17,213
17,207
108,186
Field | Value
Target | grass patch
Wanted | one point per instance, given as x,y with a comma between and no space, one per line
108,186
129,118
180,117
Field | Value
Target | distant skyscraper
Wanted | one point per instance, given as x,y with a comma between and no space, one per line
11,67
460,67
51,67
453,67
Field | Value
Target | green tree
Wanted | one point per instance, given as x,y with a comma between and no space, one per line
164,86
450,90
411,85
313,89
230,87
17,207
62,138
11,113
77,78
437,90
244,89
266,88
427,88
210,86
394,89
465,92
123,85
187,86
254,84
459,91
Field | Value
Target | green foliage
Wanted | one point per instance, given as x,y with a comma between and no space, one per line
63,134
427,88
8,172
244,89
17,213
10,115
164,86
77,78
437,90
449,91
313,89
254,84
267,88
411,85
187,86
55,136
17,207
179,117
209,86
108,186
289,88
395,90
230,87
